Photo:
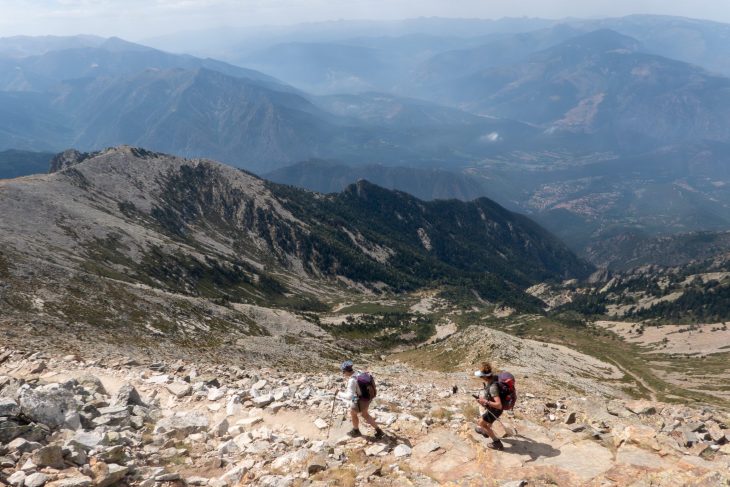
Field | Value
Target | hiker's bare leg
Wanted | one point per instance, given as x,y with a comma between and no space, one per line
488,428
354,418
366,415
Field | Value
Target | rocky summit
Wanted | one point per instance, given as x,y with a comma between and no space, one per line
79,421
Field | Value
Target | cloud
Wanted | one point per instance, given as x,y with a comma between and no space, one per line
491,138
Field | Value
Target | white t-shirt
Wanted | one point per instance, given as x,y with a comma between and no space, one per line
352,391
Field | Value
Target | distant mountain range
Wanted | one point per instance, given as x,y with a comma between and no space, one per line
595,128
599,83
118,92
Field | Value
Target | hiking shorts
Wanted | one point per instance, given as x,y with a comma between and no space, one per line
361,405
491,415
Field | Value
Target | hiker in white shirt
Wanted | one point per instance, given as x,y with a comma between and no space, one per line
358,405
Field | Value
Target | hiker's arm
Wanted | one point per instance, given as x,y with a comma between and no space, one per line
495,404
352,388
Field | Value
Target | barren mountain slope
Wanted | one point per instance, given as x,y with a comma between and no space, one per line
137,244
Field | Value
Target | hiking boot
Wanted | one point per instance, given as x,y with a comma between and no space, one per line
379,433
481,431
354,433
496,445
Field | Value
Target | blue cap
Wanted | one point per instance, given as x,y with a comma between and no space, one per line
346,366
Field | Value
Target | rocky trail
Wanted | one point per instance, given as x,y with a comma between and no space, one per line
66,421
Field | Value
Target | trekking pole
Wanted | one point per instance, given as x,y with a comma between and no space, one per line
332,412
503,425
514,428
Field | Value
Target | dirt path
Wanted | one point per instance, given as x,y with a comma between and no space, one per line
652,391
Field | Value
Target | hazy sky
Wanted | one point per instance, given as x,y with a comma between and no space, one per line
137,19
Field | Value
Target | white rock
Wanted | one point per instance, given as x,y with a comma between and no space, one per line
179,389
220,428
289,460
234,406
320,423
274,407
319,445
17,479
51,405
86,440
182,425
36,480
234,476
228,447
263,400
80,481
402,451
216,394
281,393
259,385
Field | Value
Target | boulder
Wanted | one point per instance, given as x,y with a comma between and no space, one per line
642,436
11,429
17,479
51,405
180,389
220,428
21,445
716,433
290,460
617,408
127,395
182,425
641,407
316,464
49,456
79,481
259,385
91,383
402,451
233,406
197,481
117,415
37,479
570,419
263,400
107,474
234,476
215,394
86,440
8,407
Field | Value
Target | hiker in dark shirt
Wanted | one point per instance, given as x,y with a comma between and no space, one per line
489,399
